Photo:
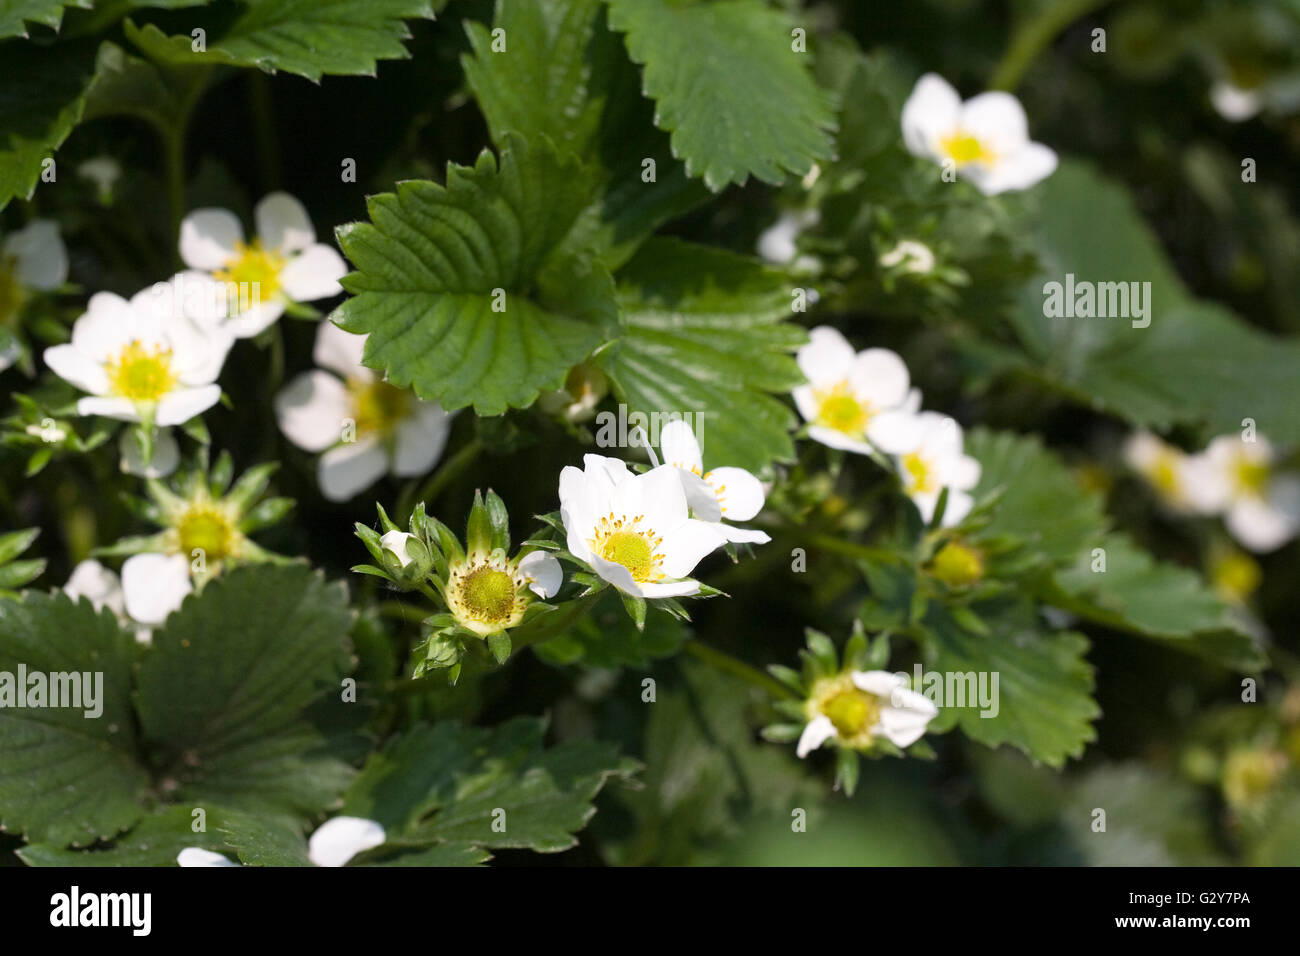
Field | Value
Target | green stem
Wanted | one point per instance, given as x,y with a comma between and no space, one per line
1034,35
439,480
554,623
724,662
851,549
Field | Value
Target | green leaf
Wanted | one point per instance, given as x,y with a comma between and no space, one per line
448,784
703,337
1044,506
728,86
430,260
1138,594
42,94
607,637
1186,367
66,778
154,841
1044,694
307,37
223,693
564,75
15,14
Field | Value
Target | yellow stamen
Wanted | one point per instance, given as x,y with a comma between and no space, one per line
918,476
623,541
256,271
141,373
208,529
839,409
963,148
380,407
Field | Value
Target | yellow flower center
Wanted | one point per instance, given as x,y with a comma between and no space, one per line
1250,775
142,373
852,712
254,270
625,542
1163,475
963,148
1252,477
957,565
838,408
1235,576
918,476
485,597
207,529
380,407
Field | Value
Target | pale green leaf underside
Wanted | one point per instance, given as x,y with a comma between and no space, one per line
66,778
703,336
737,99
468,292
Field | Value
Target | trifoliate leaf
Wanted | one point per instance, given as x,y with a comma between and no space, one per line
729,86
703,337
16,15
469,292
1044,703
222,695
68,775
564,75
499,787
307,37
1139,594
42,93
1186,367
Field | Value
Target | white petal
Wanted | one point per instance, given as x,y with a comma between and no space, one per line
1027,166
701,497
805,399
123,409
1233,103
686,545
98,584
395,541
776,243
1259,525
827,358
879,683
932,110
956,509
198,354
74,366
340,839
740,494
960,472
664,589
902,727
339,351
106,326
208,238
837,439
997,120
679,447
314,274
256,319
896,432
42,259
743,535
196,856
615,574
658,494
311,410
155,585
420,440
819,730
543,573
178,407
349,469
880,377
166,454
283,224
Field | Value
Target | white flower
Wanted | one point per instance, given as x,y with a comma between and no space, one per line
394,542
335,843
104,172
1178,478
1233,103
777,243
542,572
730,493
986,138
910,255
930,458
856,707
389,429
849,394
31,259
154,585
103,589
634,530
141,360
1261,508
283,264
